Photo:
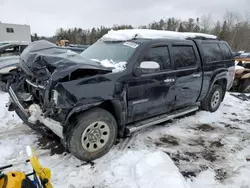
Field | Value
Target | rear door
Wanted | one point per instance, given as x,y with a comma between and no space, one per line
187,64
152,94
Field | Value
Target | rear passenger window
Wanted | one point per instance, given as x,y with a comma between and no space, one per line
211,52
160,55
184,56
226,52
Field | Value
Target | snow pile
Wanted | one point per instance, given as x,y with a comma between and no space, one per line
129,34
158,170
133,169
116,67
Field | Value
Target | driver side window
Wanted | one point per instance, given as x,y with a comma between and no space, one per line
160,55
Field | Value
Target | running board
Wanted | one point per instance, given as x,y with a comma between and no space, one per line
159,119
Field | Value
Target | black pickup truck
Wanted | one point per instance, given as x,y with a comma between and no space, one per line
126,81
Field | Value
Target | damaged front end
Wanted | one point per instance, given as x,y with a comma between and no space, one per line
53,85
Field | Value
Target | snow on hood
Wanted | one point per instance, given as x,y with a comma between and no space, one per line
116,67
129,34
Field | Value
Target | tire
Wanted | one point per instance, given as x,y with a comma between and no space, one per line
93,135
245,86
38,127
212,102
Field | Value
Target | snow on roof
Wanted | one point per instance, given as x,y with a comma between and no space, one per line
129,34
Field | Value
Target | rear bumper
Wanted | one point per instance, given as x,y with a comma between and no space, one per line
34,114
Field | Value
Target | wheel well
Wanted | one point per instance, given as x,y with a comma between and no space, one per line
116,111
108,106
223,83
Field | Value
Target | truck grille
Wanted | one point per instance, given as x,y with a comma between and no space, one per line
38,91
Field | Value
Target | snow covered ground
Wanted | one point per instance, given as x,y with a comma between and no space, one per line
209,149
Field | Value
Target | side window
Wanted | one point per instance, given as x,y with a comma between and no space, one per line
226,52
211,52
160,55
13,50
184,56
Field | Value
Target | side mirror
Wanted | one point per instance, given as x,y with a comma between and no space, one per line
148,67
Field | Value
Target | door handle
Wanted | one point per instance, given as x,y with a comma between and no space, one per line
196,75
169,80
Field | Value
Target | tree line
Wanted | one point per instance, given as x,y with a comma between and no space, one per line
233,28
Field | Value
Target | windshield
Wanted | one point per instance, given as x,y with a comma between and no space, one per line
115,51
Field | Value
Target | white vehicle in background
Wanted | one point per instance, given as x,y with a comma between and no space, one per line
9,60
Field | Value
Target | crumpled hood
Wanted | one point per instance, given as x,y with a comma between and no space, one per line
59,62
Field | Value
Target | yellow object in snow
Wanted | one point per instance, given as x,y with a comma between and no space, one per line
21,180
43,173
12,180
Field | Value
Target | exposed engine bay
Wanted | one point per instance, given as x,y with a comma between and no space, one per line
49,78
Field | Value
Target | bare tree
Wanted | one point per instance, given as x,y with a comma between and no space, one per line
232,18
233,28
205,23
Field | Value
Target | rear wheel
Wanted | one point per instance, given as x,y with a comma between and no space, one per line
212,102
93,135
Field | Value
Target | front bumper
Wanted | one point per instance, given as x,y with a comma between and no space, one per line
34,114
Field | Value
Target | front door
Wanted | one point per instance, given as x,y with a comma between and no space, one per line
151,94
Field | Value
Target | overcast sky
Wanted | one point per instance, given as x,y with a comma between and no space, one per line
45,16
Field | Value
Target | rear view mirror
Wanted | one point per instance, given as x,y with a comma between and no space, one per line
148,67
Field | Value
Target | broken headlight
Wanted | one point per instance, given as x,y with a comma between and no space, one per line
62,98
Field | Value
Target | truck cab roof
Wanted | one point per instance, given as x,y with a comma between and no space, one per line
130,34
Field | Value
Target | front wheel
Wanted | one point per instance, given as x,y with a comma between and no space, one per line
212,102
93,135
